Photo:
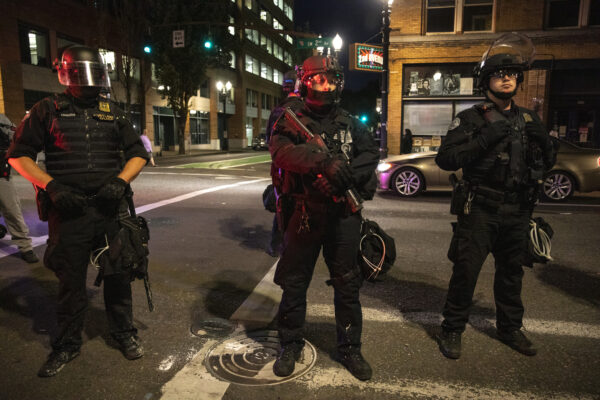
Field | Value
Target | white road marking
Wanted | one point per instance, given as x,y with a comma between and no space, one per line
194,381
319,378
37,241
203,174
546,327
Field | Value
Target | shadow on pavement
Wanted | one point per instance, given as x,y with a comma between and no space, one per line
36,300
415,298
577,284
251,237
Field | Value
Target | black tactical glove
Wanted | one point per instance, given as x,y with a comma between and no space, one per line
538,133
324,186
493,133
337,172
66,200
109,196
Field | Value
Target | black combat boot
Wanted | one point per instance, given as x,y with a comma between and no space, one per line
518,341
351,358
286,359
29,257
449,342
131,347
55,362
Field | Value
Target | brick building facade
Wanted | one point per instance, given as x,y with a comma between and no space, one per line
435,44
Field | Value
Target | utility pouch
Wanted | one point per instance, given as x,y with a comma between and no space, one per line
42,201
459,195
488,197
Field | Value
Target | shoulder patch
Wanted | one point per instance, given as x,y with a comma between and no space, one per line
527,117
104,106
454,124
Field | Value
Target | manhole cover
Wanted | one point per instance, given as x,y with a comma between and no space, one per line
248,358
213,327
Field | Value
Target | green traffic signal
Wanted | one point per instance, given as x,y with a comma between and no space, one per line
208,44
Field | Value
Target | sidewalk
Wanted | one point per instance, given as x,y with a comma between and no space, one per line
170,154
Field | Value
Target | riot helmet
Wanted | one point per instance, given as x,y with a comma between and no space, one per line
289,82
511,54
82,66
321,72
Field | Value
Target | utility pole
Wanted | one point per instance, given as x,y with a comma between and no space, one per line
385,76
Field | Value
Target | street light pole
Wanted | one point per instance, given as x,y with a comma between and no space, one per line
383,150
223,90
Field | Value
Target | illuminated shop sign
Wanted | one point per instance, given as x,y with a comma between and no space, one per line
366,57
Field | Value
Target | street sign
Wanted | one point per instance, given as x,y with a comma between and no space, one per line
179,38
313,43
366,57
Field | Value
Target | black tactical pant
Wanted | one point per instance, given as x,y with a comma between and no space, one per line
339,237
71,239
504,233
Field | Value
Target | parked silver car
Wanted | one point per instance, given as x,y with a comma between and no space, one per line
576,169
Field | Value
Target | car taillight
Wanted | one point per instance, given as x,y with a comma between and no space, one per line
599,161
383,166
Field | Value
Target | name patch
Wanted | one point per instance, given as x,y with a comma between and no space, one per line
104,117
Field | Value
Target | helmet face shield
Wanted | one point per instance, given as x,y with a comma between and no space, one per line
83,73
324,79
516,48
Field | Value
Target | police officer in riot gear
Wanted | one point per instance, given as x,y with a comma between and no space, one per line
311,181
86,139
503,150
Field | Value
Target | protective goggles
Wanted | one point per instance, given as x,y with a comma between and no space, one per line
325,78
83,73
501,73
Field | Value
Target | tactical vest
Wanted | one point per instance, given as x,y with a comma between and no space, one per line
511,164
82,139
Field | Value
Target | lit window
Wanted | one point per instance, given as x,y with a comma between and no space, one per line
231,29
34,46
249,63
289,39
232,59
277,76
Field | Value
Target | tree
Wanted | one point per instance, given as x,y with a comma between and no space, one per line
129,20
182,70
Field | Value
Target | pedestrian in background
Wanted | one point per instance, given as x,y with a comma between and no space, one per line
10,206
406,146
148,146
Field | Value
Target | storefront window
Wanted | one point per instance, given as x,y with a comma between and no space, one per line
440,15
199,128
477,15
439,81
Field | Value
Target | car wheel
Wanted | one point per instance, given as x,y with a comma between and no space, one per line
558,186
408,182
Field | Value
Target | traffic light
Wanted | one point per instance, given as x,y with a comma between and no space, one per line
364,118
147,49
208,44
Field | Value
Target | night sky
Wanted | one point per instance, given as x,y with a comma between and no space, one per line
355,21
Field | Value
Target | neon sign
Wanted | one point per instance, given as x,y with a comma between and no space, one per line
366,57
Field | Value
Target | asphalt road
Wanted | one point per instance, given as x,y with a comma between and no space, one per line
208,235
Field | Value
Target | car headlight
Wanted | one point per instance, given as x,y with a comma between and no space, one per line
383,166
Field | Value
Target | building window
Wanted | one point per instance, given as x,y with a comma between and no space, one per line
594,13
252,65
251,98
439,81
266,16
266,101
278,52
266,71
231,28
34,45
289,39
477,15
232,59
199,127
287,57
277,77
205,89
278,3
276,24
440,15
252,35
562,13
288,11
266,44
